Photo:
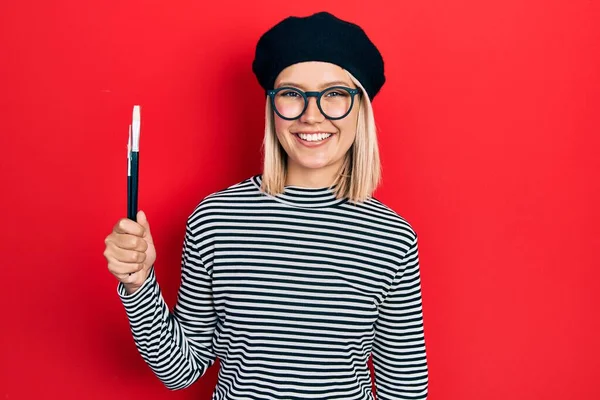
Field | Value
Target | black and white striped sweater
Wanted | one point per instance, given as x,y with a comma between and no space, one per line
292,293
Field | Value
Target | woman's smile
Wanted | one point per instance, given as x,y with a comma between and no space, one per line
313,139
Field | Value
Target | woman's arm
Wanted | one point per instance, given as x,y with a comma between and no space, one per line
176,345
399,356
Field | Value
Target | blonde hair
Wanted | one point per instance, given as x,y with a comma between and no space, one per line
360,173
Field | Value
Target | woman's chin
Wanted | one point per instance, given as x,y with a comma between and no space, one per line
309,163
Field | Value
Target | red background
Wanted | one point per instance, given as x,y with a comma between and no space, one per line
489,130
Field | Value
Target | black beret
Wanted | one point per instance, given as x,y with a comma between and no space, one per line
318,37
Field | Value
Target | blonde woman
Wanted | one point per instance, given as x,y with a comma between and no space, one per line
294,277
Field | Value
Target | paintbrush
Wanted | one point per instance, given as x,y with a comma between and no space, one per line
134,160
129,173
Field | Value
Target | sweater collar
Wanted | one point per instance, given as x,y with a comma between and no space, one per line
303,197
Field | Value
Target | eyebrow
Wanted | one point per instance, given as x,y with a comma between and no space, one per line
326,84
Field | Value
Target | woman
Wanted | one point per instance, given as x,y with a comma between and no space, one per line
294,277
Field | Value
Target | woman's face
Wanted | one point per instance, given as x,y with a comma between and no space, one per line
316,152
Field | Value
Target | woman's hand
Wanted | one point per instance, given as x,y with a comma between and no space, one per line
130,251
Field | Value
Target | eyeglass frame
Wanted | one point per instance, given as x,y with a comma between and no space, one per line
353,92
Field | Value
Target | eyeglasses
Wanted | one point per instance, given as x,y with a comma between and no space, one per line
334,102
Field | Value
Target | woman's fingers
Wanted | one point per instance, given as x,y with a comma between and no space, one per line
119,267
126,225
126,241
125,255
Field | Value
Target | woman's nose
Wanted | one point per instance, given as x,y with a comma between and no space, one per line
312,113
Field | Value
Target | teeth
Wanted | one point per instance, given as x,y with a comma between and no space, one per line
314,137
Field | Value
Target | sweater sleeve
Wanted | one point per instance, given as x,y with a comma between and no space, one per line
176,345
399,356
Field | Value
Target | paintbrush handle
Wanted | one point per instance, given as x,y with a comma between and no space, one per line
133,207
129,197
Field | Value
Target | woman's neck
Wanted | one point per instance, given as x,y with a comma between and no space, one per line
311,177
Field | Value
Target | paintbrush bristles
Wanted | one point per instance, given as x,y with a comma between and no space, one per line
136,113
135,126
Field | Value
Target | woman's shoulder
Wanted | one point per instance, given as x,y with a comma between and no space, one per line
247,185
237,193
389,219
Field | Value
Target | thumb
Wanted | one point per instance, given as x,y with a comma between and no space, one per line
143,221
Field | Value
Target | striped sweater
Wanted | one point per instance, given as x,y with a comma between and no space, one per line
293,293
